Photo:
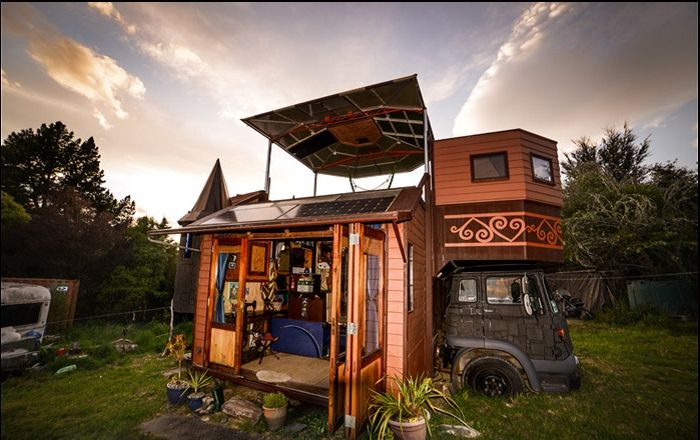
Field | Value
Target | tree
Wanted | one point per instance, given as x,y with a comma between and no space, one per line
621,214
145,279
12,212
618,155
37,166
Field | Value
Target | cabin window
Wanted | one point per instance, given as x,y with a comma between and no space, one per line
467,290
491,166
409,282
542,169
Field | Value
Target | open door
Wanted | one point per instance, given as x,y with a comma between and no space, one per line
366,281
336,374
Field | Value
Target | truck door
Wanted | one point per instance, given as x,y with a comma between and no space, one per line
463,315
505,316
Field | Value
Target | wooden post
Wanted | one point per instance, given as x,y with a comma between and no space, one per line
335,408
240,305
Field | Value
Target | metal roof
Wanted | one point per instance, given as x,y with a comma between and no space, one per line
370,206
374,130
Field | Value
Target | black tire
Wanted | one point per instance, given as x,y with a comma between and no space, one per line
492,377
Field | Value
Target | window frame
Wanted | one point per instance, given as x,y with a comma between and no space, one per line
476,290
551,169
483,155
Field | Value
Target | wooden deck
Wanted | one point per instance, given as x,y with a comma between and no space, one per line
304,374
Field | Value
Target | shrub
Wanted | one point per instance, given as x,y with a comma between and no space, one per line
275,400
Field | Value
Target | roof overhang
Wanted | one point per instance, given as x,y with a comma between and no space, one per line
385,206
374,130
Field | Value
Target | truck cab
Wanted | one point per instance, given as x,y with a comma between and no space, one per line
504,332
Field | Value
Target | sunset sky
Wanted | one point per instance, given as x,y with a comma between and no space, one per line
162,87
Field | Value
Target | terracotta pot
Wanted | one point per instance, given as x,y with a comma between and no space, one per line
275,417
409,430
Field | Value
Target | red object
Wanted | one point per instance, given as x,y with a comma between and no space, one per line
561,333
61,351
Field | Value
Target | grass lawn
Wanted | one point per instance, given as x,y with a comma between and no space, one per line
638,382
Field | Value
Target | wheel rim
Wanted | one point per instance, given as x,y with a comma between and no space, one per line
492,384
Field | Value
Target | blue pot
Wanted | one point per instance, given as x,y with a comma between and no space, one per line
177,396
194,403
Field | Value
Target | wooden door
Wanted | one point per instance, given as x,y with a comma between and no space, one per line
366,288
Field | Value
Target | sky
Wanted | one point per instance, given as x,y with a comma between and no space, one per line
162,87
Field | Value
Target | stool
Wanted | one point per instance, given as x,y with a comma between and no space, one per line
263,343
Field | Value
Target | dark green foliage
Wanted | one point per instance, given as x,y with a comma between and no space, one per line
37,166
13,213
78,230
145,278
620,214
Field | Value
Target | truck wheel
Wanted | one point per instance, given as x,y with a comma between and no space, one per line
493,377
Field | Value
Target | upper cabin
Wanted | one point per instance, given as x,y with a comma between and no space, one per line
498,198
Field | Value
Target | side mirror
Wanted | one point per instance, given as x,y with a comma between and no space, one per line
525,285
526,303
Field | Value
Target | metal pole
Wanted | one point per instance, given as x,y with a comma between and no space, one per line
315,182
267,168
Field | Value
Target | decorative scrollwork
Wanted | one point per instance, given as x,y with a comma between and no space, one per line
499,229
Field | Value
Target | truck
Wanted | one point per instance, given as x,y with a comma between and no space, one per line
504,332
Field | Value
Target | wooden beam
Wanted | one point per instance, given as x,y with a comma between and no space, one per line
397,234
335,407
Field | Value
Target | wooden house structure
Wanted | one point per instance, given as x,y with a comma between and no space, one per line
321,297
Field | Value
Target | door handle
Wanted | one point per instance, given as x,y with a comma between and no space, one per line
488,311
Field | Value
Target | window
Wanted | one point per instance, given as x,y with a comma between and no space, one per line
542,169
489,166
503,290
409,282
467,290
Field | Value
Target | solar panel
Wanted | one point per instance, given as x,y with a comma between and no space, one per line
344,207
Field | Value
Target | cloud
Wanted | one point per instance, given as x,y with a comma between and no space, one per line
74,66
7,83
108,10
569,70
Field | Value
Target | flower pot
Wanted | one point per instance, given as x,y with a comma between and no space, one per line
275,417
409,430
177,394
194,401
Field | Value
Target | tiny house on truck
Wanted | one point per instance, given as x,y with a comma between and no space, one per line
321,297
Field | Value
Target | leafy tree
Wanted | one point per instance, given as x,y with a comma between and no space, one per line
37,166
618,155
620,213
12,212
145,279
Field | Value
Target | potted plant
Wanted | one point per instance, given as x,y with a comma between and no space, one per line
176,388
197,381
275,410
405,413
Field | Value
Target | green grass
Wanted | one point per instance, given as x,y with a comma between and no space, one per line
639,382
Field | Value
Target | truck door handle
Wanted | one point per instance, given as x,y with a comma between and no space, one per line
488,311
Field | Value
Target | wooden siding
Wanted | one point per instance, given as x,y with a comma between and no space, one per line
417,339
396,304
200,311
408,342
453,177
